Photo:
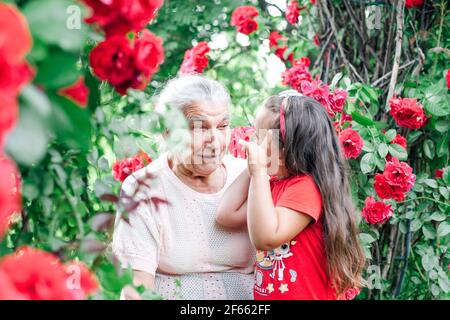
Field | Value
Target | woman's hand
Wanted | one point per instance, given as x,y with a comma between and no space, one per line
140,278
257,154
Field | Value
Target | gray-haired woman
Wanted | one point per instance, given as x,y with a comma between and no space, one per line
182,241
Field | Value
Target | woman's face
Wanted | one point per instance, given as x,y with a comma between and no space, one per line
209,124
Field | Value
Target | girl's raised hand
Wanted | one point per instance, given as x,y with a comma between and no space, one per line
257,154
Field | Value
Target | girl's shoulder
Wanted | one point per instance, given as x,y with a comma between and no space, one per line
293,180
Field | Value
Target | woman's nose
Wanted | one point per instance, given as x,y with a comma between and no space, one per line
211,135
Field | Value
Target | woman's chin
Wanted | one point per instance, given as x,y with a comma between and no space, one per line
207,165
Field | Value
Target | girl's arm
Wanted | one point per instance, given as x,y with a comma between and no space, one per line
268,226
232,210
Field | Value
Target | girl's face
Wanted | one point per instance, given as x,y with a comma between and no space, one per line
263,123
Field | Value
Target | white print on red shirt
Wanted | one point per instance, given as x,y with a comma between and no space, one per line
273,260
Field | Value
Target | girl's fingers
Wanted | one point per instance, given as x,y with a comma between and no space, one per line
267,138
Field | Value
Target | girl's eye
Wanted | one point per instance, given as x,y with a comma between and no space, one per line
224,126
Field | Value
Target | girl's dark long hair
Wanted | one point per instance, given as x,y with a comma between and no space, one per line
311,147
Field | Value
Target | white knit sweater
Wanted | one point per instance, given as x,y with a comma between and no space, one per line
182,241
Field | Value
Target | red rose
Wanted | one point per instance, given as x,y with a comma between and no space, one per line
376,212
439,173
195,59
400,140
77,92
15,43
413,3
447,78
278,42
86,284
292,12
344,120
351,294
123,168
7,289
332,101
385,191
396,180
32,274
9,111
122,16
298,73
316,40
337,100
313,2
127,65
15,37
113,60
399,175
145,157
149,54
243,19
351,143
10,198
240,133
407,113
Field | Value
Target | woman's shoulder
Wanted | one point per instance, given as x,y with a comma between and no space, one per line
149,172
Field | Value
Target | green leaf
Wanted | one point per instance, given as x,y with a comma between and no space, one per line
71,123
368,147
383,150
413,136
337,77
416,224
390,135
442,147
444,192
380,162
27,142
444,284
368,163
428,231
443,229
52,21
37,100
369,93
435,291
59,70
398,152
361,119
438,216
366,238
441,125
431,183
437,101
426,262
428,148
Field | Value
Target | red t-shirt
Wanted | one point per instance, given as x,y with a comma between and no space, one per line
297,269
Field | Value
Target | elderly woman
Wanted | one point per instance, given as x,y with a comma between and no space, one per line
178,249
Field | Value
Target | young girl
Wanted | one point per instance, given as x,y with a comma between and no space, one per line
301,221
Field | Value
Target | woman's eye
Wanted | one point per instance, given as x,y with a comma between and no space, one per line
224,126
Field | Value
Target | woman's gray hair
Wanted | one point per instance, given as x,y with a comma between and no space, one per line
188,90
